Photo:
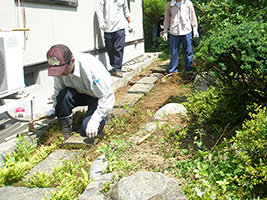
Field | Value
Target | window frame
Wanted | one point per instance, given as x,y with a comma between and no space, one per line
71,3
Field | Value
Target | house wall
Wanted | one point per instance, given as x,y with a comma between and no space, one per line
51,24
76,27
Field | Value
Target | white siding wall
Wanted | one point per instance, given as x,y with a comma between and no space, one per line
74,27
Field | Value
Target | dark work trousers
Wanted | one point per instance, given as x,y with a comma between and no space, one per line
69,98
115,42
187,44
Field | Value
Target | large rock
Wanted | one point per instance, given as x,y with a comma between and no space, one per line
97,173
146,186
202,82
171,108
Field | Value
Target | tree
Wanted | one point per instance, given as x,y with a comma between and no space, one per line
153,12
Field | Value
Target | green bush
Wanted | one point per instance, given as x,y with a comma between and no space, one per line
216,15
237,56
248,153
215,111
235,169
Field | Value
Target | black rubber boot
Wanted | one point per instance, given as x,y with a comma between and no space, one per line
65,124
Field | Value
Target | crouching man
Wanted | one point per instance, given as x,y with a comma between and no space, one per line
79,80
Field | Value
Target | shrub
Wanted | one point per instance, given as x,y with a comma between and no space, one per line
215,15
237,58
248,153
236,169
215,111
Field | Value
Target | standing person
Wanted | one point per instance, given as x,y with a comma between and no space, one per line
111,17
179,16
79,80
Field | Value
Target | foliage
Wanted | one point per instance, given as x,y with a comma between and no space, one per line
153,12
216,15
159,45
23,148
238,59
18,163
69,178
114,153
236,169
253,3
173,137
213,111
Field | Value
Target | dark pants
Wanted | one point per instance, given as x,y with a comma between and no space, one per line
69,98
187,44
115,42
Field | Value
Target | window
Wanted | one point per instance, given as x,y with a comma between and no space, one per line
72,3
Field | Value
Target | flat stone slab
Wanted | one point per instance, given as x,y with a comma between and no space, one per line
129,99
148,80
55,158
119,111
141,88
160,69
79,140
23,193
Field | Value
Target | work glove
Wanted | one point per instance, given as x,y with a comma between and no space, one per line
51,112
165,36
92,128
102,25
195,32
130,27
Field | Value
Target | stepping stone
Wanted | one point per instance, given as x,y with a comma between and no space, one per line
141,88
55,158
148,80
119,111
79,140
17,193
129,99
160,69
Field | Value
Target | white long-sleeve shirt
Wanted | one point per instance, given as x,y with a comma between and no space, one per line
112,13
177,23
89,77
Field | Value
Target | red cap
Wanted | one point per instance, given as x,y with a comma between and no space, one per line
58,57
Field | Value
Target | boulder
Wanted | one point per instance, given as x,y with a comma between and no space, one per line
202,82
145,185
171,108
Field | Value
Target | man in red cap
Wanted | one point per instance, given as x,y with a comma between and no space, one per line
79,80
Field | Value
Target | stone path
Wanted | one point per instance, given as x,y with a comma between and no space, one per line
135,93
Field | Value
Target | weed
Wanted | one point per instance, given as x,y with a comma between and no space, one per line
114,153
